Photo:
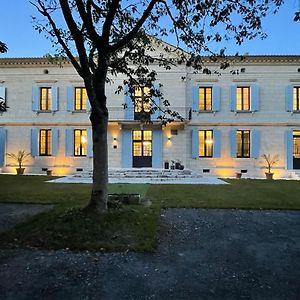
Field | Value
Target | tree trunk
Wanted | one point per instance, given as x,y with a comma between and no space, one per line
98,201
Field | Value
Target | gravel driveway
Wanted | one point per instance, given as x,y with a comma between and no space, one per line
202,254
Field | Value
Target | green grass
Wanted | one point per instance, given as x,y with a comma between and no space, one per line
130,227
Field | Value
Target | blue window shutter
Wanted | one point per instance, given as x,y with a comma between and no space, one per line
70,98
157,148
89,142
88,104
195,98
69,142
217,143
216,98
156,103
288,136
35,98
255,143
233,143
129,107
289,98
2,145
3,93
34,142
126,149
195,143
54,98
232,99
255,97
54,132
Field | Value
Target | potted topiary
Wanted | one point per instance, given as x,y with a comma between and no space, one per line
270,161
20,158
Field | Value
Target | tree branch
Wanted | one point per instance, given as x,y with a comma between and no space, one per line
135,29
109,20
43,10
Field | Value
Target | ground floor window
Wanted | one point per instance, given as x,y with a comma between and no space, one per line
205,143
45,138
243,143
80,142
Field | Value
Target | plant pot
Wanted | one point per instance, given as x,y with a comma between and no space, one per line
166,165
49,172
181,167
269,176
172,167
20,171
238,175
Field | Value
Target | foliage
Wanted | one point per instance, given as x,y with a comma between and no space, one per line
3,47
270,161
20,157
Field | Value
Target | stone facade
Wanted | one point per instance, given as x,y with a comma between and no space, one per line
270,120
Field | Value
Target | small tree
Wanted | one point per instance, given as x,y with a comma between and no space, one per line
110,37
270,161
20,157
3,47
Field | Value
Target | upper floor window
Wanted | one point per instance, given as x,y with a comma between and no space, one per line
80,142
243,98
45,138
205,143
205,98
243,143
45,98
296,98
80,98
142,104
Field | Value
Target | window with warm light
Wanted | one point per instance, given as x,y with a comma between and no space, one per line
205,143
142,103
45,137
243,143
45,98
243,98
142,143
80,142
80,98
205,98
296,98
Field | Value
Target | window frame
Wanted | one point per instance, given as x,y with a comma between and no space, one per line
48,140
145,101
48,100
81,100
206,145
296,102
243,155
205,109
81,147
243,109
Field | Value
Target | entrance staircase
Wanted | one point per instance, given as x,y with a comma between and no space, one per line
296,174
146,175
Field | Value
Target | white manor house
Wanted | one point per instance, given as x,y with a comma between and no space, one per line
230,120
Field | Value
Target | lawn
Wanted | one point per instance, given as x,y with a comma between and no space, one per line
130,227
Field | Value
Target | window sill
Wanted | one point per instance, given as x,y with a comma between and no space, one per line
79,111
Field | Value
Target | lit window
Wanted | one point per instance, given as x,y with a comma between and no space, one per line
296,98
205,98
243,143
142,104
80,98
45,142
205,143
142,143
243,98
45,98
80,142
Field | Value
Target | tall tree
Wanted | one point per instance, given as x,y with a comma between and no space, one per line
103,37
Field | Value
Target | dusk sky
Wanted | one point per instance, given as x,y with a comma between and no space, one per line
23,41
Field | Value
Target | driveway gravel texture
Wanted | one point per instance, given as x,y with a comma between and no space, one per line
202,254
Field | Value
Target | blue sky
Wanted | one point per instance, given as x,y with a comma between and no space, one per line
23,41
